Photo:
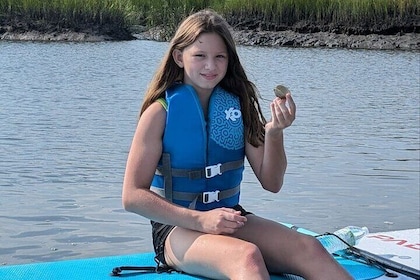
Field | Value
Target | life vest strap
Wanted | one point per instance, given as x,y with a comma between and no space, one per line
166,168
205,197
207,172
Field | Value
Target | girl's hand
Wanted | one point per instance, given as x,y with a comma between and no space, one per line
283,113
221,221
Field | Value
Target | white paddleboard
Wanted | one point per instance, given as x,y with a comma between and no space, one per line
401,247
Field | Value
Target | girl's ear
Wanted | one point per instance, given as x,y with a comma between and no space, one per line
177,55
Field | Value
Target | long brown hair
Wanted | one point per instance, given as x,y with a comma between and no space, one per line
235,80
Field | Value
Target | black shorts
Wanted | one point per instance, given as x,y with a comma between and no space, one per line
160,232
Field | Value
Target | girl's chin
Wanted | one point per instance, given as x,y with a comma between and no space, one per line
204,84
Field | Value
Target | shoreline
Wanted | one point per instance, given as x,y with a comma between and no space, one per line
330,40
289,38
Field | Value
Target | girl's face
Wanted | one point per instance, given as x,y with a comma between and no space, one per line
204,62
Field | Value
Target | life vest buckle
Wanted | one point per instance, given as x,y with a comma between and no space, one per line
213,170
209,197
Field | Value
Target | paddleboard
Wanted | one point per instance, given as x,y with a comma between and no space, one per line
399,249
101,268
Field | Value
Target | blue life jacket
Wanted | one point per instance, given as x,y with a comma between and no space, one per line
202,162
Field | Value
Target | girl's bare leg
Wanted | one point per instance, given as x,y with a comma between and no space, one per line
260,246
214,256
286,250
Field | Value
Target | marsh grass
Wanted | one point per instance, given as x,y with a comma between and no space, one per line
363,16
167,13
324,11
70,13
266,14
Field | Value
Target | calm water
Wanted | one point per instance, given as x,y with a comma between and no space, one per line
68,112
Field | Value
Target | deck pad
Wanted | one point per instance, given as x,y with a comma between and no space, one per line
101,268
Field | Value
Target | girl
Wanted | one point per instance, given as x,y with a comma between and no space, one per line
200,118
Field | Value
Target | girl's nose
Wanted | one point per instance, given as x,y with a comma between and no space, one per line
209,64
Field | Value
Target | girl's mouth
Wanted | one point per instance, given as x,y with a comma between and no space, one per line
209,76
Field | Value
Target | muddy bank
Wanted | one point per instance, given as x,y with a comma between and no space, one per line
409,41
18,30
400,34
287,38
67,36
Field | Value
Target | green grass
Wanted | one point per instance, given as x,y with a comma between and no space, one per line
70,12
329,11
269,14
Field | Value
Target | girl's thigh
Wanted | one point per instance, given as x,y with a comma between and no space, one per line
209,255
282,248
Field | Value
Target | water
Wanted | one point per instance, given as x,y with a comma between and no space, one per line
68,112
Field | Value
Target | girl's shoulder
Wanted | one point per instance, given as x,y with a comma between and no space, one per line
162,101
156,112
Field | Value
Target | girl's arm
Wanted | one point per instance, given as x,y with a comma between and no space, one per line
268,161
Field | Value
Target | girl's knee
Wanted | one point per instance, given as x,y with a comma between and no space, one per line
310,247
250,261
251,254
305,254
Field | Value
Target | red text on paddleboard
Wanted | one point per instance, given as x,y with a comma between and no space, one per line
400,242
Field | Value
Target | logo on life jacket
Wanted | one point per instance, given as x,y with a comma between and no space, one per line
232,114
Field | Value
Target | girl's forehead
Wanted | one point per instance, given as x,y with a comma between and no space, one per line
210,41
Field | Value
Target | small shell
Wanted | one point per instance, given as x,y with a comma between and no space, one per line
281,91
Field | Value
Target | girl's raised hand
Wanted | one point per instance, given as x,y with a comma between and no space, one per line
283,113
